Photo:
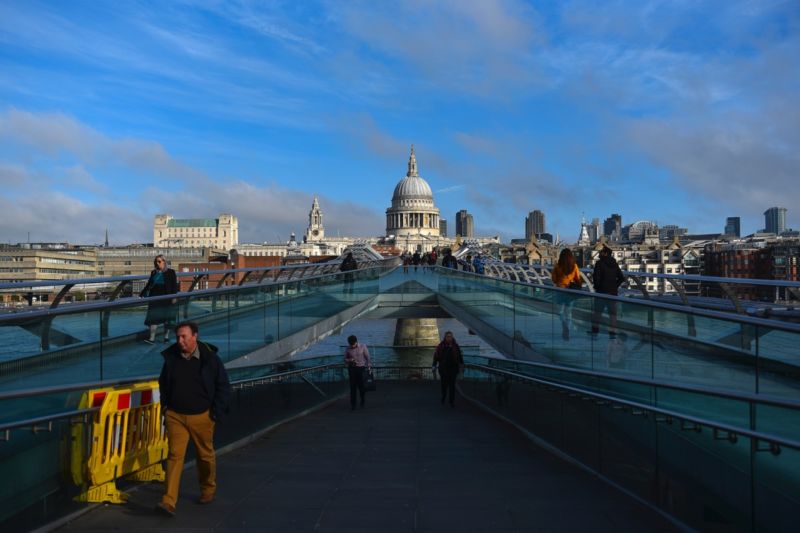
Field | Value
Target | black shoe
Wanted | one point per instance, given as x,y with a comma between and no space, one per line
166,509
149,341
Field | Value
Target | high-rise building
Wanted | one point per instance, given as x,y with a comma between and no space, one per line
465,225
733,227
443,227
594,230
775,220
612,227
534,224
221,233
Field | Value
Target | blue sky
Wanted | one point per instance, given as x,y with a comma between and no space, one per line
681,112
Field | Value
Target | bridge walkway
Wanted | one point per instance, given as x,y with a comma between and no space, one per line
404,463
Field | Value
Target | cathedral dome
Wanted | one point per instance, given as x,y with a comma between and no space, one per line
412,187
413,214
412,190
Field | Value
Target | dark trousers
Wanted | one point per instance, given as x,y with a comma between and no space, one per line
449,385
356,375
600,305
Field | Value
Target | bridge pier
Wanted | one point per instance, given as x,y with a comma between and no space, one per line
416,332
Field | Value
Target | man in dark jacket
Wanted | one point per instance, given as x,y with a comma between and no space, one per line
606,279
194,391
348,265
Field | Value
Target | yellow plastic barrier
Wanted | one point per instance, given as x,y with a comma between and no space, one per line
127,439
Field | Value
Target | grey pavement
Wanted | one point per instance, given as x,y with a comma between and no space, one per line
403,463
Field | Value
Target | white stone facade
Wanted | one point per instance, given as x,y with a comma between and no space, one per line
221,233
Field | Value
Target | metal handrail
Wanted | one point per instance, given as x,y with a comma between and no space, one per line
729,395
17,424
695,311
32,422
126,302
645,408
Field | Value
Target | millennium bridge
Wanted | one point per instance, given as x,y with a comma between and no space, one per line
684,417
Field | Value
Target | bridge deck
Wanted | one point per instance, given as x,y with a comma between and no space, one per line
404,463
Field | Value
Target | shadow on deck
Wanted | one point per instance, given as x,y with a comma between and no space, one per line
404,463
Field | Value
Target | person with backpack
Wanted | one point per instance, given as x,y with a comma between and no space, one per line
607,278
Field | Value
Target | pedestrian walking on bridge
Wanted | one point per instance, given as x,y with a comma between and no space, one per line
356,358
194,391
449,361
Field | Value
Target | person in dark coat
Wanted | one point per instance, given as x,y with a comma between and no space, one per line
348,265
162,281
415,260
607,278
449,361
195,392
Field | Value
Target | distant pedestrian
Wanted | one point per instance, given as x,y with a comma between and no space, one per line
406,258
356,358
162,281
449,260
416,259
348,265
566,275
194,390
449,361
477,264
607,278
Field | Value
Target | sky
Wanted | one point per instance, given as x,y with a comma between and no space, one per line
681,112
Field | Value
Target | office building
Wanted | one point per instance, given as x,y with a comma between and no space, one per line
733,227
465,225
534,224
775,220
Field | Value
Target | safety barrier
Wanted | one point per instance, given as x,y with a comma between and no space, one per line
126,438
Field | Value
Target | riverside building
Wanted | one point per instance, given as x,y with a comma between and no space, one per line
221,233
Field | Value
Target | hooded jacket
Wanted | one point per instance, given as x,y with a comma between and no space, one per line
212,371
607,276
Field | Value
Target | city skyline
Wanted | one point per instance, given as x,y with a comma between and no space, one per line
680,113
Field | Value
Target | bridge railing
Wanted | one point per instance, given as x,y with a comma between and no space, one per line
105,340
735,469
743,296
110,288
630,337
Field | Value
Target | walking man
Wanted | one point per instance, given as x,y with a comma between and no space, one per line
607,278
194,394
356,357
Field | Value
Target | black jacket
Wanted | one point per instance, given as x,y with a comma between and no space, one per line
215,377
349,263
170,283
449,358
607,276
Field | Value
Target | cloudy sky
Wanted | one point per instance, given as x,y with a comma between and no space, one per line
682,112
